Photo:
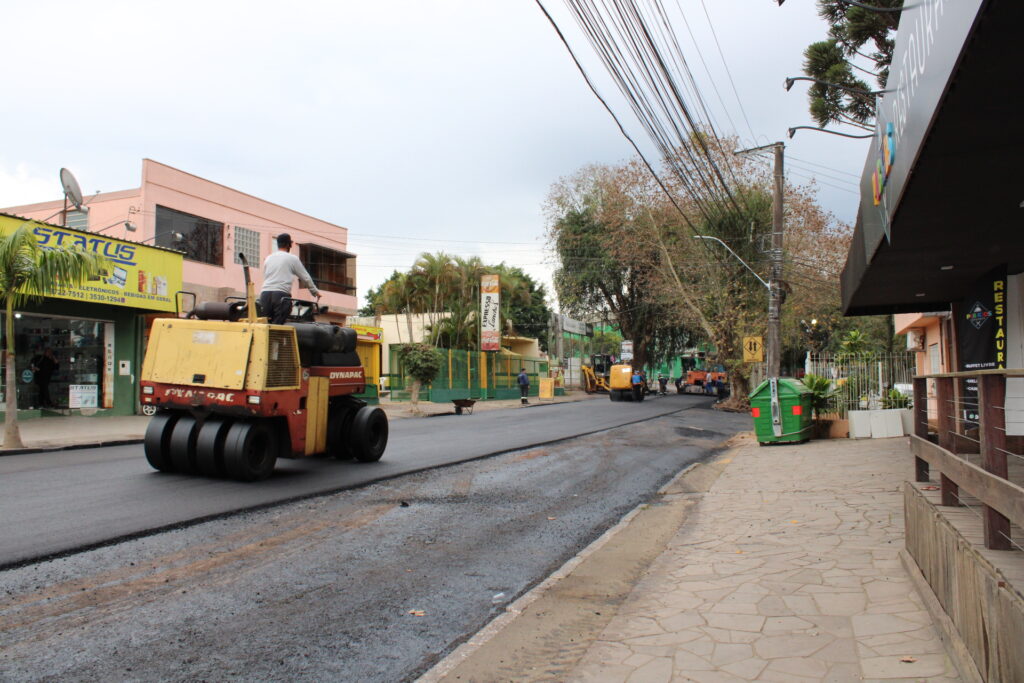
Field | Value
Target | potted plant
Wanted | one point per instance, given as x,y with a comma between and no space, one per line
822,394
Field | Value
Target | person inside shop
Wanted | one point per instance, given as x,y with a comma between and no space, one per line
43,365
279,271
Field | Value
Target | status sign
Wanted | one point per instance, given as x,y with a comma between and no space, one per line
490,330
753,350
137,275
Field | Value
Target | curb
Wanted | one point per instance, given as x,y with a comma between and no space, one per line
69,447
439,671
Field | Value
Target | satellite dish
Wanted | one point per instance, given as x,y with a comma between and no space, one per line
72,192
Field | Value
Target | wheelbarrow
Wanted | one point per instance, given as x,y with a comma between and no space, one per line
463,405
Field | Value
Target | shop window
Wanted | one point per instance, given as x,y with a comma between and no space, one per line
200,238
247,242
73,375
332,271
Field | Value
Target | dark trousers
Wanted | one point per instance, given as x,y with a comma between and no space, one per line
638,391
43,384
275,306
524,389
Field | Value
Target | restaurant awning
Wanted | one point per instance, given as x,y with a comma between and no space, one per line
953,197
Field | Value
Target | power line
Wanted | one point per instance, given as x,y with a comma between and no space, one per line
728,72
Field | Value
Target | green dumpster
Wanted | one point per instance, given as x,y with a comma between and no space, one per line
782,411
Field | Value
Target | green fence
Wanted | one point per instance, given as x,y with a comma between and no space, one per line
468,374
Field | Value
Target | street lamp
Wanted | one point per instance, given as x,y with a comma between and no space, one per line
790,80
869,8
737,256
794,129
178,237
127,223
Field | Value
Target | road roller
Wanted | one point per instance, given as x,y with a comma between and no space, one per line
234,393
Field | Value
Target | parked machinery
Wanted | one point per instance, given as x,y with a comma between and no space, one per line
620,382
235,393
595,374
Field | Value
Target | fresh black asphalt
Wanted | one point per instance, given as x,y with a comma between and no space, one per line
58,502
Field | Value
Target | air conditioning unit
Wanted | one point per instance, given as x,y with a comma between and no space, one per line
915,340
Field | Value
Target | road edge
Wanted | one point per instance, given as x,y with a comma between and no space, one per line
463,652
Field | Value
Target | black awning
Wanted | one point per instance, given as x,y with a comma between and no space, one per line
960,213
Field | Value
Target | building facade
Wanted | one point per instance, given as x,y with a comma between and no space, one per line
206,225
90,332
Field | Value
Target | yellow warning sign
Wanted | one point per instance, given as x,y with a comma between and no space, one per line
547,388
753,350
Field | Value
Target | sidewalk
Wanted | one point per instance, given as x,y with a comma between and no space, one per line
75,431
786,569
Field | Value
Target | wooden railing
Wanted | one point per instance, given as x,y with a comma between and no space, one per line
966,424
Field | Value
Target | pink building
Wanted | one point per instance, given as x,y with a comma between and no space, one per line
931,336
211,224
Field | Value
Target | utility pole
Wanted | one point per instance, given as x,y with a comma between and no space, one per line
773,345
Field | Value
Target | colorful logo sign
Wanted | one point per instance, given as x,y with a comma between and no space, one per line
978,315
883,165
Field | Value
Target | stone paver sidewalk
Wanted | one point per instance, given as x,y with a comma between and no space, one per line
787,571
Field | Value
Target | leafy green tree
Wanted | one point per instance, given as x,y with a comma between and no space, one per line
852,30
28,272
609,342
624,247
422,362
608,265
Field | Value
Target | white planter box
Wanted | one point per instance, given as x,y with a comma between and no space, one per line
879,424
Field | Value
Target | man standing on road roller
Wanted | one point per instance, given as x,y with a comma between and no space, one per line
279,270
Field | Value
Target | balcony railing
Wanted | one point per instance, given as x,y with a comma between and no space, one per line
960,429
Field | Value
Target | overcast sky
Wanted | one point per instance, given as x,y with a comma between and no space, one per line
420,125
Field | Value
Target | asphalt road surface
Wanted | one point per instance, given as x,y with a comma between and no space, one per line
68,500
375,583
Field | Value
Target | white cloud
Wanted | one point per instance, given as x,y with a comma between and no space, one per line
21,184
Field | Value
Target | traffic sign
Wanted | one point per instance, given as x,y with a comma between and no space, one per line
753,349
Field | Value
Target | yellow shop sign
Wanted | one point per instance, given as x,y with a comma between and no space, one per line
138,276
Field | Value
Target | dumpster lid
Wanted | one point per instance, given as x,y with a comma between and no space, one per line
788,386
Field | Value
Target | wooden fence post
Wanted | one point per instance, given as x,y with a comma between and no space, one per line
947,420
920,415
992,420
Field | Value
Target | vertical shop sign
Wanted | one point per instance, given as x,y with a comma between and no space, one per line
981,332
108,365
490,330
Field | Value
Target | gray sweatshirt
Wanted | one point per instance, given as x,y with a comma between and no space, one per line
280,268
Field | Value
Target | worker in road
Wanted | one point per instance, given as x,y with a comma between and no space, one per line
524,386
279,271
637,380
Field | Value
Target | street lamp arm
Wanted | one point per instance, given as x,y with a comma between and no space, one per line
737,256
792,79
870,8
794,129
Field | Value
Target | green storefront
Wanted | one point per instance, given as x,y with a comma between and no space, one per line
91,336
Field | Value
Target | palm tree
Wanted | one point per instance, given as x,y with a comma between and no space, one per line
29,272
436,273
